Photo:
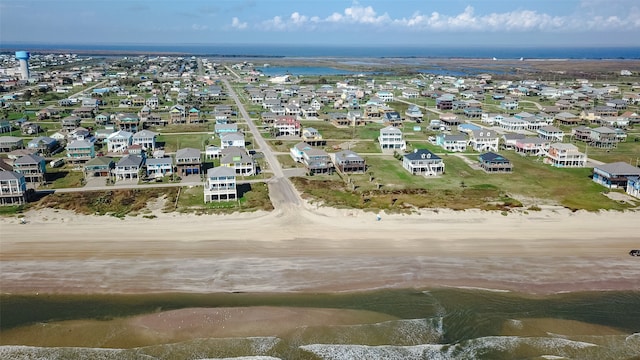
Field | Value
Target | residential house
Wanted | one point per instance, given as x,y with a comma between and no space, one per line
581,133
220,184
550,133
153,102
43,145
297,151
10,143
532,146
159,167
84,112
449,119
385,96
146,139
513,124
232,139
188,161
410,94
614,175
348,161
70,122
510,140
237,158
100,166
13,188
495,163
509,104
80,151
212,152
565,155
177,114
316,161
287,126
633,186
5,126
484,140
313,137
603,137
340,119
128,167
423,162
102,119
414,113
119,141
128,122
455,143
32,166
565,118
392,118
193,116
391,138
222,129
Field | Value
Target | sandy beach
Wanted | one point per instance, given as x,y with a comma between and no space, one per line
319,249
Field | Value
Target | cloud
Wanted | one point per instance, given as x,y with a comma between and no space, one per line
237,24
585,18
198,27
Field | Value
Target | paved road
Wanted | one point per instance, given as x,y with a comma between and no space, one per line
281,190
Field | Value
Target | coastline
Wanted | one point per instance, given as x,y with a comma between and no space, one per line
319,249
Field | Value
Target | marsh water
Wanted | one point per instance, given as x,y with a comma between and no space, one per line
442,323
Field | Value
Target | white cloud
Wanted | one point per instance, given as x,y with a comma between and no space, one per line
467,20
236,23
198,27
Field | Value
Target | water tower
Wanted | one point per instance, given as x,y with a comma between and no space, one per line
23,57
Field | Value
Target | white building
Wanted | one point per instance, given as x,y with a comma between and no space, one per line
220,184
391,138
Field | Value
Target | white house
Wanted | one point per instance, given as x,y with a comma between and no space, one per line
423,162
119,141
146,139
565,155
551,133
232,139
391,138
220,184
484,140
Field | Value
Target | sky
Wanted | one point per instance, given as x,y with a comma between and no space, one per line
328,22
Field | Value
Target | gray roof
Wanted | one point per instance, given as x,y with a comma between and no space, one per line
79,144
130,160
10,175
348,155
28,159
187,153
232,136
620,168
144,134
5,139
44,139
221,171
420,154
159,161
448,137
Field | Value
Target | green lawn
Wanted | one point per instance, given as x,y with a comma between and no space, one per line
174,142
63,178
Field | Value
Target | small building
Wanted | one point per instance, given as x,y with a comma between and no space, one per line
146,139
391,138
239,160
100,166
43,145
10,143
128,167
614,175
495,163
423,162
70,122
455,143
550,133
128,122
119,141
220,184
188,161
13,188
159,167
212,152
80,151
232,139
484,140
313,137
565,155
532,146
221,129
32,166
603,137
348,161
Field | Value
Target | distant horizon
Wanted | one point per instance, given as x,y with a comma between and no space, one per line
337,50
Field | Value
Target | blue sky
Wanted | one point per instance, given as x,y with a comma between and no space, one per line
399,22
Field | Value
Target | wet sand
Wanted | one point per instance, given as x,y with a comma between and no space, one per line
319,249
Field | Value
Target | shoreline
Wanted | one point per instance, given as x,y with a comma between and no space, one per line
319,249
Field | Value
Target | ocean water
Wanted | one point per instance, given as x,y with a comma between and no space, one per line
447,323
359,51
